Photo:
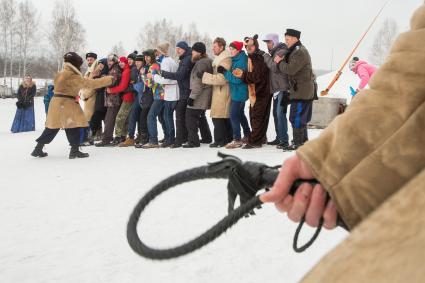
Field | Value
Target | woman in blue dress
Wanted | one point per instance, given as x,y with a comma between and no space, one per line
24,118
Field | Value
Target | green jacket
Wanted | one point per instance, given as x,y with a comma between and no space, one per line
297,65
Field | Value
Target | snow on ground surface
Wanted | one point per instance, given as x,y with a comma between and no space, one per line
341,89
65,220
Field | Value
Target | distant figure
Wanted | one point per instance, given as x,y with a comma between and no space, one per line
48,97
364,70
24,118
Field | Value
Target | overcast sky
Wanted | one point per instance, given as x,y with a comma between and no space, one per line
327,26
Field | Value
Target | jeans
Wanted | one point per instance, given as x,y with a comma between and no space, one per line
134,119
154,113
238,119
280,120
169,108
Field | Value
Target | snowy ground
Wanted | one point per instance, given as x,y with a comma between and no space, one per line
65,221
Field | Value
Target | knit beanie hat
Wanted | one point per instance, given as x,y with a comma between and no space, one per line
74,59
199,47
133,55
238,45
164,48
183,45
123,60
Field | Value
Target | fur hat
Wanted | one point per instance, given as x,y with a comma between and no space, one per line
133,55
91,55
113,57
182,45
199,47
238,45
74,59
163,48
252,41
293,32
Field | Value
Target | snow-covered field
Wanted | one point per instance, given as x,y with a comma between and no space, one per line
65,220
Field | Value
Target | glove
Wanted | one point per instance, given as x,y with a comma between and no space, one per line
221,70
285,102
190,102
199,75
19,104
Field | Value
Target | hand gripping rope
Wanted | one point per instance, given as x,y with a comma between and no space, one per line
245,180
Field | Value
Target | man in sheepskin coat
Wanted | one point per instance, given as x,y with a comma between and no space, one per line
64,110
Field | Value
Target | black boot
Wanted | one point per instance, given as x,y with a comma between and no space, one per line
305,135
76,153
38,151
298,140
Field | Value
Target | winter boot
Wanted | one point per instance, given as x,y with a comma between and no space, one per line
298,140
234,144
76,153
38,151
305,134
128,142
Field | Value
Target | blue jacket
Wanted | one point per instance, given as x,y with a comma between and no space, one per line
182,75
48,97
238,89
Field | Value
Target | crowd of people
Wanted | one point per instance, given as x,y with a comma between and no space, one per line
151,89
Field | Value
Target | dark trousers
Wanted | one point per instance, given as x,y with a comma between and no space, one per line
144,121
111,115
204,128
301,112
96,121
223,133
48,136
194,122
181,130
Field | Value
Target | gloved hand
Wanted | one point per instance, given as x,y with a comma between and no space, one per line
221,70
190,102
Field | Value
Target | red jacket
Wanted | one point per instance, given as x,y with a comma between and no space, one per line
123,85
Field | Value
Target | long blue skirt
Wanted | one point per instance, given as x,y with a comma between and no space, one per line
24,120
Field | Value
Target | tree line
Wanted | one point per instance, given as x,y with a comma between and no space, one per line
29,47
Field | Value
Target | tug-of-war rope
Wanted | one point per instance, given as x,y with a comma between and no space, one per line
245,180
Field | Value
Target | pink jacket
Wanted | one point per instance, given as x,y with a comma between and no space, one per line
365,72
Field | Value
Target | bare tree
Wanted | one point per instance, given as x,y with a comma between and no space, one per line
153,34
66,34
119,49
27,26
383,41
7,22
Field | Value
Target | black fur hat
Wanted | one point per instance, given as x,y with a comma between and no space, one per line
74,59
133,55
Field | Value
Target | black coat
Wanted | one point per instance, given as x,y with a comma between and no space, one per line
26,95
182,76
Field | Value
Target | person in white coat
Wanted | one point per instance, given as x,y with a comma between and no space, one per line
171,93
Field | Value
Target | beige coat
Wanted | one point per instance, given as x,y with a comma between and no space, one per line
65,113
88,95
220,104
371,160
